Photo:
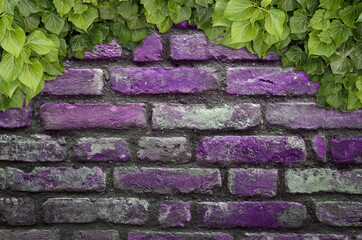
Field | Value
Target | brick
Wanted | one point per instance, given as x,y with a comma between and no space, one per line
359,237
82,210
184,24
320,148
101,51
252,214
310,116
37,148
96,235
167,180
253,182
340,214
323,180
150,50
167,150
16,117
197,47
76,82
53,179
292,236
178,236
174,213
102,149
227,150
65,116
200,117
156,80
346,150
269,80
17,211
33,234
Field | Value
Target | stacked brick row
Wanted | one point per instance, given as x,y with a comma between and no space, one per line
136,148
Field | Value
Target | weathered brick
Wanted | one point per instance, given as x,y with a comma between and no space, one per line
323,180
199,116
292,236
16,117
167,180
104,51
33,234
150,50
96,235
76,82
178,236
359,237
310,116
174,213
65,116
320,148
198,47
269,80
184,24
82,210
252,214
253,182
53,179
167,150
346,150
37,148
102,149
17,211
228,150
340,213
156,80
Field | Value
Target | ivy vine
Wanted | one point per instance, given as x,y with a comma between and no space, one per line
323,38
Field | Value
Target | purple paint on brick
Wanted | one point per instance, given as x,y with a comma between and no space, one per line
96,235
310,116
16,117
269,80
63,116
320,148
33,234
76,82
252,214
150,50
174,213
359,237
292,236
17,211
340,213
253,182
184,24
178,236
104,51
156,80
228,150
167,180
346,150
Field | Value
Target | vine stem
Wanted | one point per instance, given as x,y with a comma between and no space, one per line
263,9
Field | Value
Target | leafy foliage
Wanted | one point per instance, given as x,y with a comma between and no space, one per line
322,37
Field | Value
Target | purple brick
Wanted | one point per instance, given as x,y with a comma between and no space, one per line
198,47
65,116
269,80
184,24
292,236
310,116
102,149
150,50
104,51
323,180
346,150
178,236
167,150
82,210
201,117
156,80
53,179
320,148
252,214
340,213
16,117
33,234
228,150
76,82
96,235
253,182
167,180
359,237
17,211
174,213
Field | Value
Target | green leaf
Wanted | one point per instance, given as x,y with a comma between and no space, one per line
152,6
2,30
165,25
31,74
184,14
40,43
288,5
243,31
28,7
353,101
339,32
79,7
2,3
52,68
238,10
349,14
330,4
204,3
10,67
213,32
274,21
173,6
128,10
10,5
63,6
296,55
357,62
325,36
341,65
360,18
53,22
317,47
14,41
219,9
345,49
318,21
31,22
80,42
299,22
84,20
8,89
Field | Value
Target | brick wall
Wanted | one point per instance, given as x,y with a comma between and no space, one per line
180,140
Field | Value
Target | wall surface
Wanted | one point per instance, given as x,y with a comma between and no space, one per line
180,140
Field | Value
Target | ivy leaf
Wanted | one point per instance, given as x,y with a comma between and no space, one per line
63,6
213,32
219,9
128,10
2,30
360,18
173,6
28,7
79,7
183,15
318,21
31,74
325,36
296,55
299,22
14,41
238,10
53,22
331,4
10,5
152,6
357,62
339,32
265,3
274,21
39,43
80,42
288,5
84,20
31,22
204,3
353,101
10,67
243,31
2,3
345,49
341,65
317,47
349,14
165,25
